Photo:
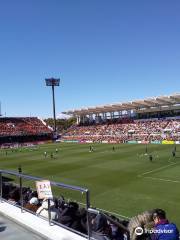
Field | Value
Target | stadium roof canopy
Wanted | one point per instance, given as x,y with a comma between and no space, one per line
148,103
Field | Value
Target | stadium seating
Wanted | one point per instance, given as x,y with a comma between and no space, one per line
139,130
22,126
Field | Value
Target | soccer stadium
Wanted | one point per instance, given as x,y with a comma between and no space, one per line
108,170
90,120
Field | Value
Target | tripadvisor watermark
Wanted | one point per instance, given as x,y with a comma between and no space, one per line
139,231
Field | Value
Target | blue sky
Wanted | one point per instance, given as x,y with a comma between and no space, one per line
104,51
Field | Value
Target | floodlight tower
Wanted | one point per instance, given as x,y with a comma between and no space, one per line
53,82
0,110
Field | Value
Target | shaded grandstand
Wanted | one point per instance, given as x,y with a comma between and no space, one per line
23,129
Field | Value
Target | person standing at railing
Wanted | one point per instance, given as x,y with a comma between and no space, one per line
100,227
14,197
43,210
32,205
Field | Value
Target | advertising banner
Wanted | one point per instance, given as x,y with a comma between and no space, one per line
167,142
156,142
132,141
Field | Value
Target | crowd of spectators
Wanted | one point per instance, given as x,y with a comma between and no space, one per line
153,223
22,127
138,130
68,213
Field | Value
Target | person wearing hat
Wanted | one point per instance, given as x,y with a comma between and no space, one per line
33,204
43,210
163,229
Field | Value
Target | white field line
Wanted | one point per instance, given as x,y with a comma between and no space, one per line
141,175
164,180
157,169
160,168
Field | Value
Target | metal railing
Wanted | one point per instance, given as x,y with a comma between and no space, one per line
22,176
89,210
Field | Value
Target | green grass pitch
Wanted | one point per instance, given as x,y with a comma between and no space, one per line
123,181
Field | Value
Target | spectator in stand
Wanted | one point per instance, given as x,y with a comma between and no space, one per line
43,210
100,227
33,204
143,221
163,229
14,197
70,216
116,232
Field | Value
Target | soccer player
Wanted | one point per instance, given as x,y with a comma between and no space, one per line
113,148
173,153
150,157
45,154
56,150
146,150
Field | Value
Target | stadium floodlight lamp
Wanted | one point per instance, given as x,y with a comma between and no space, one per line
53,82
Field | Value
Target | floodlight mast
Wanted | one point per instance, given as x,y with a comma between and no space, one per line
0,110
53,82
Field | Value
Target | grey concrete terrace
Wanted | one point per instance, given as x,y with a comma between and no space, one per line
10,230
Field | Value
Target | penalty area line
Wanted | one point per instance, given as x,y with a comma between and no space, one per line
164,180
156,170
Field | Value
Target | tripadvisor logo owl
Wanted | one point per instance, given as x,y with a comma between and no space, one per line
139,231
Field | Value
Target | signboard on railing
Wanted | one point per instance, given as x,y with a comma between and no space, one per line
44,189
